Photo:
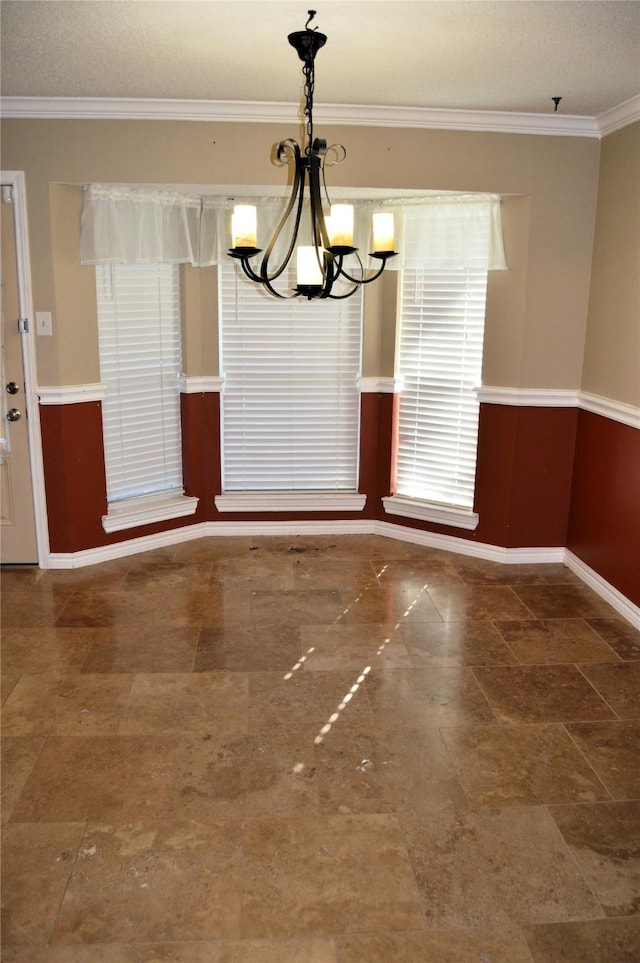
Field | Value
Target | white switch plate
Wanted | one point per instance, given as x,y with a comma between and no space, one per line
43,323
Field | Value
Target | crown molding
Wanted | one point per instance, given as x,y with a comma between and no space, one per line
437,118
620,116
358,115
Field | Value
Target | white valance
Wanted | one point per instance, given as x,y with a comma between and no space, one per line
463,231
138,225
215,236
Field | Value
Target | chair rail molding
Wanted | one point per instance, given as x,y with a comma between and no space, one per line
560,398
70,394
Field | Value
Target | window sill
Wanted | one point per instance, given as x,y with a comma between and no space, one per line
147,509
431,512
290,502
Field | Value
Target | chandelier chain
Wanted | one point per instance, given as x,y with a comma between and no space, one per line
309,84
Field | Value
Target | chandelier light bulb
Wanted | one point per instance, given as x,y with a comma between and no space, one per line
383,233
340,225
309,270
244,230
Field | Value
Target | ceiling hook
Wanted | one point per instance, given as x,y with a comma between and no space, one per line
556,101
312,14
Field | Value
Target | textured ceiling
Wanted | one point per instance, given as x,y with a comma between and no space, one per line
481,55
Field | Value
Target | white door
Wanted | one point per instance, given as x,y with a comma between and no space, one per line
17,520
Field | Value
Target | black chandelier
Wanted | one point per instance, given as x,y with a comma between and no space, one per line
320,264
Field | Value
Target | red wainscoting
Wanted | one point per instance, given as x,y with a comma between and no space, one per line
604,521
75,486
546,477
377,443
201,461
523,478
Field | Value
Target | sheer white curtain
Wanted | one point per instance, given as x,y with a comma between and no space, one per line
452,232
140,225
133,225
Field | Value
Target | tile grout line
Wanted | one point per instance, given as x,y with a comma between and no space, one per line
576,863
586,759
595,688
66,886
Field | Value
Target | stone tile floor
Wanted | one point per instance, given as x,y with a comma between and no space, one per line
318,750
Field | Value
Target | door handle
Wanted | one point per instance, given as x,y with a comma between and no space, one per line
13,415
12,388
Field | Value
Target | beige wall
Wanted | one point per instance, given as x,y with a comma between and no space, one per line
536,311
74,297
612,348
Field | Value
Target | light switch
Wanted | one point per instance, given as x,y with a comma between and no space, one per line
43,323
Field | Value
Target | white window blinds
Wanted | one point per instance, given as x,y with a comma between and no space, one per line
440,362
450,245
140,361
291,401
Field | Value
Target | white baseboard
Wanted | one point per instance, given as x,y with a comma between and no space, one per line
447,543
146,543
616,599
463,546
130,546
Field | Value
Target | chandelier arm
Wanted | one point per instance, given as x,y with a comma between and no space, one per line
341,297
248,270
339,273
324,184
266,282
297,193
363,279
329,274
315,196
340,154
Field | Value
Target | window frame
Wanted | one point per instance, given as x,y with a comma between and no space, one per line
411,505
136,509
309,498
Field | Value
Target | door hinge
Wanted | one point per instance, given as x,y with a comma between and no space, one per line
23,325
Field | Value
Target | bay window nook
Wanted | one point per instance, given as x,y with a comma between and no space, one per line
290,369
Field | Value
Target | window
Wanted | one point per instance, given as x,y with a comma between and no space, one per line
139,333
291,409
451,245
440,363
